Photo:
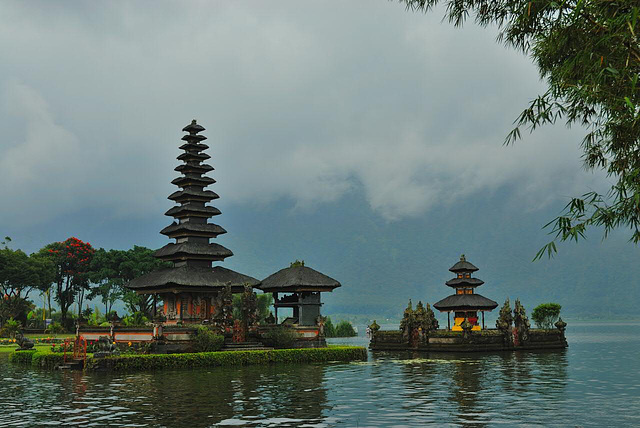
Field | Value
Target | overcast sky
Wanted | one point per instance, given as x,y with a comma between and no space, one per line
304,104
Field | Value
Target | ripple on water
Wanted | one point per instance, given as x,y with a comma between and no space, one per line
390,389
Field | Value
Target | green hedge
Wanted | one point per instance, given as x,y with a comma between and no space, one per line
230,358
47,360
41,359
50,360
21,357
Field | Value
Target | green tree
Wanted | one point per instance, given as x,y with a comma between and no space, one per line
588,52
137,262
546,314
345,329
19,275
71,259
265,301
106,277
329,328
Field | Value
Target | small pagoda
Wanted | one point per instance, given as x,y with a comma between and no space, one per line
298,287
192,289
465,303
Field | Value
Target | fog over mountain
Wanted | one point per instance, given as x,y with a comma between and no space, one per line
358,136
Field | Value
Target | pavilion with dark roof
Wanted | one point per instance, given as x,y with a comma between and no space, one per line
190,288
298,287
465,303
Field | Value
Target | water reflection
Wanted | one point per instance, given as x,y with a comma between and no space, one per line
236,396
554,388
479,389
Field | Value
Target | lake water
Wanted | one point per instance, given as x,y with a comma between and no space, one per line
595,382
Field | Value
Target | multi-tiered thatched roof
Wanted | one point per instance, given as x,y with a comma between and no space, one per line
192,254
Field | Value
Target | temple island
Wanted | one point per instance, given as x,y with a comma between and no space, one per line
419,329
194,291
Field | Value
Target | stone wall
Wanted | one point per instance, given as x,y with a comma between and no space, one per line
474,341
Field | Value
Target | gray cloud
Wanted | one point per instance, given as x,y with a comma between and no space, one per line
302,102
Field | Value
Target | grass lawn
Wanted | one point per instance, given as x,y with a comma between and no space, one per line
11,348
42,336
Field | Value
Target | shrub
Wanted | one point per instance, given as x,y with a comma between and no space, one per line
546,314
54,328
135,320
345,329
10,328
96,318
280,337
60,348
206,340
112,316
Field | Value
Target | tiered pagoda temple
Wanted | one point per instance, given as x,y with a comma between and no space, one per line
298,287
465,303
191,288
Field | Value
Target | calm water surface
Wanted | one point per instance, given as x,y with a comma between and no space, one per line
596,382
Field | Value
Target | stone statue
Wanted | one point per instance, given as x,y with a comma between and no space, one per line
320,321
504,322
106,347
431,321
521,323
408,320
270,319
561,325
249,307
373,328
466,330
425,321
226,308
23,342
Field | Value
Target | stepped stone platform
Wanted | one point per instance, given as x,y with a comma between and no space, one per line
245,346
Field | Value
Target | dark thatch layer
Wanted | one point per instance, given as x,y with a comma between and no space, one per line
465,302
185,168
186,156
192,138
463,266
216,277
193,128
193,195
193,229
464,282
198,147
191,181
210,251
298,278
187,210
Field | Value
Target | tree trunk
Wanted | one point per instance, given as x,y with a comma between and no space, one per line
49,302
64,302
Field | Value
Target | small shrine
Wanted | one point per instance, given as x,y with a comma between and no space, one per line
465,303
193,291
298,287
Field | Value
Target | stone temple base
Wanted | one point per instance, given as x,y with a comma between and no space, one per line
483,341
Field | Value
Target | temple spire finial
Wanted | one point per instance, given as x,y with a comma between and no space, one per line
462,258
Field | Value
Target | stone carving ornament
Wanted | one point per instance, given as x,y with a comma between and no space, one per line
504,322
521,323
23,342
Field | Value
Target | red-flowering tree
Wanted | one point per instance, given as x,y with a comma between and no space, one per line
72,259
